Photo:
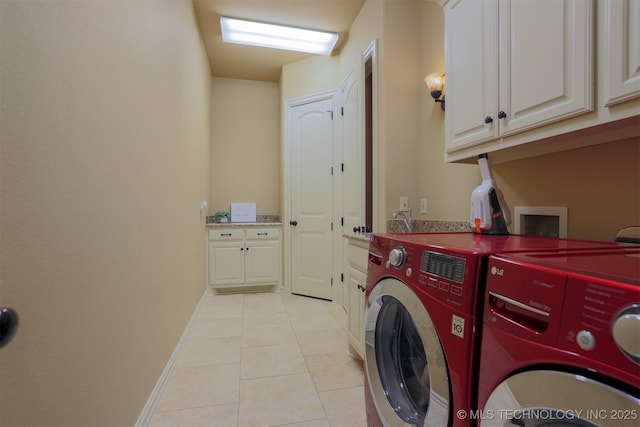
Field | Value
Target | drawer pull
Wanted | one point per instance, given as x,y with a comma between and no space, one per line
263,234
225,234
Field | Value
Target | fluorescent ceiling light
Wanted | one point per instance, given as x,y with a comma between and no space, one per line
277,36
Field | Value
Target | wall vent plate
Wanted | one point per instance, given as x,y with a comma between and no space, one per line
550,221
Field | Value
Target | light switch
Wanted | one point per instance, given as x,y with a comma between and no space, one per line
423,205
404,203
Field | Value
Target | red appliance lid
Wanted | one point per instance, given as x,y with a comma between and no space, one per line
491,244
621,264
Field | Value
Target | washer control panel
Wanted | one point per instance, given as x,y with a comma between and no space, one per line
446,266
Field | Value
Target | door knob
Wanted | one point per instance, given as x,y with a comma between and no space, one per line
8,325
502,114
293,222
488,119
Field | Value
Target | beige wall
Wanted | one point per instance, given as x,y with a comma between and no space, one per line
105,160
398,143
314,75
245,144
447,187
600,185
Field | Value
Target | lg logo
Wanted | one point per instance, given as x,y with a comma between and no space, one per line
497,271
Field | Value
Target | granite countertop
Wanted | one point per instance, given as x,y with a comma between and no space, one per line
428,226
243,224
419,226
261,221
362,237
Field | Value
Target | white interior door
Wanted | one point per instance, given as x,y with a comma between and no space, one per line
311,143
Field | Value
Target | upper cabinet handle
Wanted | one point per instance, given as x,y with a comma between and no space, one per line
293,222
502,114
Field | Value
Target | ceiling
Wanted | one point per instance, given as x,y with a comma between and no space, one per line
256,63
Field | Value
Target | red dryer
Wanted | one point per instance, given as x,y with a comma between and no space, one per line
561,339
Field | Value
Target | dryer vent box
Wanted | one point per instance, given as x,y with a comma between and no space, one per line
549,221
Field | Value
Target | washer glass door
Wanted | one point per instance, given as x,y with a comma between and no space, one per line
404,359
545,398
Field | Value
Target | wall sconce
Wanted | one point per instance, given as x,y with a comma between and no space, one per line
435,83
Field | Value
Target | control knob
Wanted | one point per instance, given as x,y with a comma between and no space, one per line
397,257
626,329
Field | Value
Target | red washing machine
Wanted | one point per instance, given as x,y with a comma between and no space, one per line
561,340
421,322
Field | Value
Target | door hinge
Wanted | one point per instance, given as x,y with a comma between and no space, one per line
330,111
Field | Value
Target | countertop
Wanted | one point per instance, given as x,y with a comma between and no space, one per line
261,221
361,237
244,224
419,226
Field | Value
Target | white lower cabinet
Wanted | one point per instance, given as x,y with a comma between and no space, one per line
357,256
240,257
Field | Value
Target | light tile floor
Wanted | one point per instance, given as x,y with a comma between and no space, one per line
265,360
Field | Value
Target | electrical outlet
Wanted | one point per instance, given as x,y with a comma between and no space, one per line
404,203
423,206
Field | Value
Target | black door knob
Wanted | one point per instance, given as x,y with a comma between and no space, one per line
293,222
8,325
502,114
488,119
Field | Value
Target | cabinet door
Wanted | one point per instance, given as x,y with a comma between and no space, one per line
226,262
263,261
546,62
356,284
621,52
471,64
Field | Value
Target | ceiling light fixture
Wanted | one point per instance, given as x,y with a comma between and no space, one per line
276,36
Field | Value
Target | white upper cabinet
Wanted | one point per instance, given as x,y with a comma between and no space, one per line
621,41
513,66
546,62
471,64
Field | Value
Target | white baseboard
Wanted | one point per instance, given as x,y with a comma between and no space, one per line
156,393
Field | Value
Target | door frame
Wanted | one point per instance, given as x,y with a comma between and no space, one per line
287,183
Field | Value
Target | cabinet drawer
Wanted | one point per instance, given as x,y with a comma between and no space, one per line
263,233
226,234
357,256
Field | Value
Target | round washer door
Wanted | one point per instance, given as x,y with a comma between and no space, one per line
545,398
404,361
